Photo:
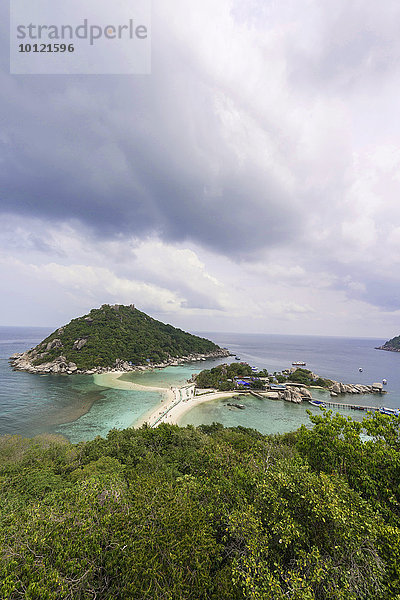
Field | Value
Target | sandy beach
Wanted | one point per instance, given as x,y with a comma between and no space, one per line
176,412
169,410
167,396
173,410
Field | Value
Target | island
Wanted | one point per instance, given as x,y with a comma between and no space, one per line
392,345
114,337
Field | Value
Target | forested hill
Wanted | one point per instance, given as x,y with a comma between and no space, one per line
392,345
116,333
204,514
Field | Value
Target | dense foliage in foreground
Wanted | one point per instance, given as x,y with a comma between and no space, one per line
118,332
207,513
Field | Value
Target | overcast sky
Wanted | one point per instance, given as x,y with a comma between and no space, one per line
250,183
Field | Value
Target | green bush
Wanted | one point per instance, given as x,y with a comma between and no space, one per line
204,513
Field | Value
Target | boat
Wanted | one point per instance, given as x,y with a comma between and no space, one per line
241,406
384,381
299,363
360,369
318,403
237,357
389,411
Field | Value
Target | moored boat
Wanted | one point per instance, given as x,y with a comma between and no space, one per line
384,410
318,403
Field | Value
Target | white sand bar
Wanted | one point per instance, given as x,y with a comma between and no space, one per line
111,380
170,409
175,411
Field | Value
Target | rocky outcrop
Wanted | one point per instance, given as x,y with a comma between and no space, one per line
23,362
357,388
57,343
78,344
391,345
305,393
292,395
60,366
296,394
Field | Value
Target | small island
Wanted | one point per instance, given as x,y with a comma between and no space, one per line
392,345
292,385
115,337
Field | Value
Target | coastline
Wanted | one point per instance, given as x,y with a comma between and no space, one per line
340,362
174,410
168,399
23,361
112,380
388,348
169,409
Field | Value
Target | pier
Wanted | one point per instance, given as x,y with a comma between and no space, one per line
350,406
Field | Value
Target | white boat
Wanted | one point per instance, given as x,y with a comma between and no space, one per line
299,363
384,410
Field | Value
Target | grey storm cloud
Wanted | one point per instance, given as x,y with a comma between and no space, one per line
135,178
136,156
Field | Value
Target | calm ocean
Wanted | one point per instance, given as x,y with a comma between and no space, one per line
79,409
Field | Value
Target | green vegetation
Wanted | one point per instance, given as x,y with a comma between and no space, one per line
222,376
118,333
207,513
305,377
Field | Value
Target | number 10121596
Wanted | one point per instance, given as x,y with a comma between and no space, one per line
46,48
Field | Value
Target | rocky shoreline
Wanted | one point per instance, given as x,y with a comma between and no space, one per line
387,348
61,366
356,388
294,393
298,393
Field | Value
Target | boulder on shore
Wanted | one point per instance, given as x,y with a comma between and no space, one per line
292,395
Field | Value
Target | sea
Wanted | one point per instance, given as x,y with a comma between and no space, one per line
80,409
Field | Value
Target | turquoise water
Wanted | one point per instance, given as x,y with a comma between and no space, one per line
170,376
267,416
32,404
114,409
